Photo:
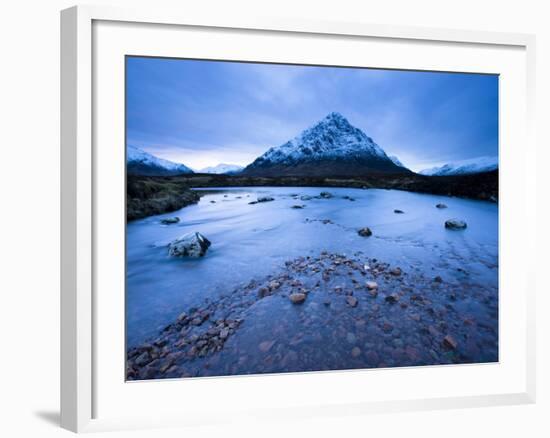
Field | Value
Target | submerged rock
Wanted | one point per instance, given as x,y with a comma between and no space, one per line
189,245
455,224
365,232
325,195
397,211
298,206
170,220
441,206
265,199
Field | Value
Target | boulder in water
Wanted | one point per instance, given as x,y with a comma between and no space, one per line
365,232
455,224
190,245
170,220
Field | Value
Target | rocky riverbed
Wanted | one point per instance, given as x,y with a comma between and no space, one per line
325,312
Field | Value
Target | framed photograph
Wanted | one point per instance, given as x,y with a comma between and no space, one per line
310,216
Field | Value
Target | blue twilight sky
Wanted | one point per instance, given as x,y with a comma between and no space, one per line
201,113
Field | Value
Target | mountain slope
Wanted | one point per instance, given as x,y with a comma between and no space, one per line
222,168
397,162
333,147
139,162
464,167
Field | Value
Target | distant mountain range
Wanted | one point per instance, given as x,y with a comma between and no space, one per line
333,147
139,162
464,167
222,168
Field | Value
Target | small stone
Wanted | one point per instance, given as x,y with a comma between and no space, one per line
351,300
450,342
326,302
182,316
438,279
273,285
170,220
365,232
372,357
355,352
351,338
143,359
265,346
396,271
298,206
371,285
297,297
325,195
397,211
224,333
441,206
455,224
392,299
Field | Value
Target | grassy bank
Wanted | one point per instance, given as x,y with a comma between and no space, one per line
149,195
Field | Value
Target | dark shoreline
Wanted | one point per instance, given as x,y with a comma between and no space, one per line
151,195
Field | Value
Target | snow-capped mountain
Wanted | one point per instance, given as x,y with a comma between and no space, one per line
396,161
333,147
139,162
463,167
222,168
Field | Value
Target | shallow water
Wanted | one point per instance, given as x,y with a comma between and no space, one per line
253,241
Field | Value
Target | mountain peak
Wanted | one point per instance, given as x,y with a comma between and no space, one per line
330,145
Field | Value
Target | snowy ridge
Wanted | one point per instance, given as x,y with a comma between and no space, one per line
333,137
141,162
463,167
222,168
396,161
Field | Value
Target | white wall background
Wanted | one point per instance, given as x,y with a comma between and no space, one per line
29,214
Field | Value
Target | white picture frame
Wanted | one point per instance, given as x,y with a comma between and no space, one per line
82,368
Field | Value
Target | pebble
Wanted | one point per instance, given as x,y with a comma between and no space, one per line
450,342
351,300
351,338
356,352
371,285
265,346
297,297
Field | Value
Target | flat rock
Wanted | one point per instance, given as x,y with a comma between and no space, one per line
190,245
265,199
